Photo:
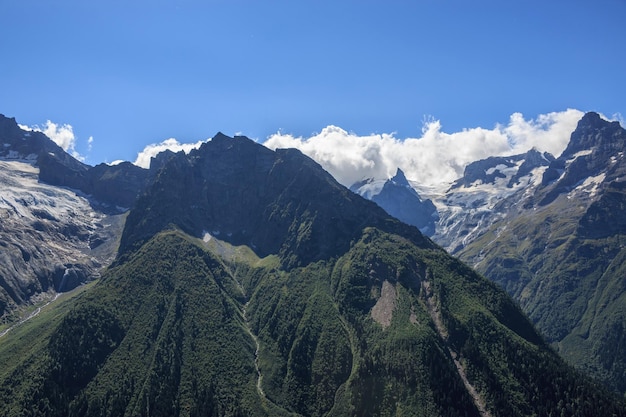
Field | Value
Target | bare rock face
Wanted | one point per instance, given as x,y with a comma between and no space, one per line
117,185
596,148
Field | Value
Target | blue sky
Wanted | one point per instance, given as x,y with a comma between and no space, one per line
128,74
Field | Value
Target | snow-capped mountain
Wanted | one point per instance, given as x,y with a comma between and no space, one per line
559,251
400,200
484,195
469,206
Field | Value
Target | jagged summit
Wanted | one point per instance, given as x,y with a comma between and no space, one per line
595,152
400,179
220,136
593,131
557,247
503,170
112,187
19,144
532,159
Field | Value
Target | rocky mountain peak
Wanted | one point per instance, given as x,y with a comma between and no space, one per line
220,137
595,153
486,171
113,186
531,160
400,179
399,198
17,143
8,127
159,160
593,131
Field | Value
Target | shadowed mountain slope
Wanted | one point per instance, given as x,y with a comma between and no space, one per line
274,202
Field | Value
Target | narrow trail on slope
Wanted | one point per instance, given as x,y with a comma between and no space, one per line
435,315
246,322
259,382
30,316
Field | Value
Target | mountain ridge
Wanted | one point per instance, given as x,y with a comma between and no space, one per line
284,196
550,231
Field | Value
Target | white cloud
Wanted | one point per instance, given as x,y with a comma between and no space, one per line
143,157
89,143
617,117
62,135
436,157
548,132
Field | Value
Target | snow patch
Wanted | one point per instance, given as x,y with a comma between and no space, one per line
580,153
500,167
591,184
370,188
24,196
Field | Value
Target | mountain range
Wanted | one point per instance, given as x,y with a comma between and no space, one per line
249,282
550,231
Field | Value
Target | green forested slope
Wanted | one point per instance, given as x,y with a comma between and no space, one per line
567,274
171,332
159,335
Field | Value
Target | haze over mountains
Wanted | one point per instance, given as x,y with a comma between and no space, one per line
249,282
